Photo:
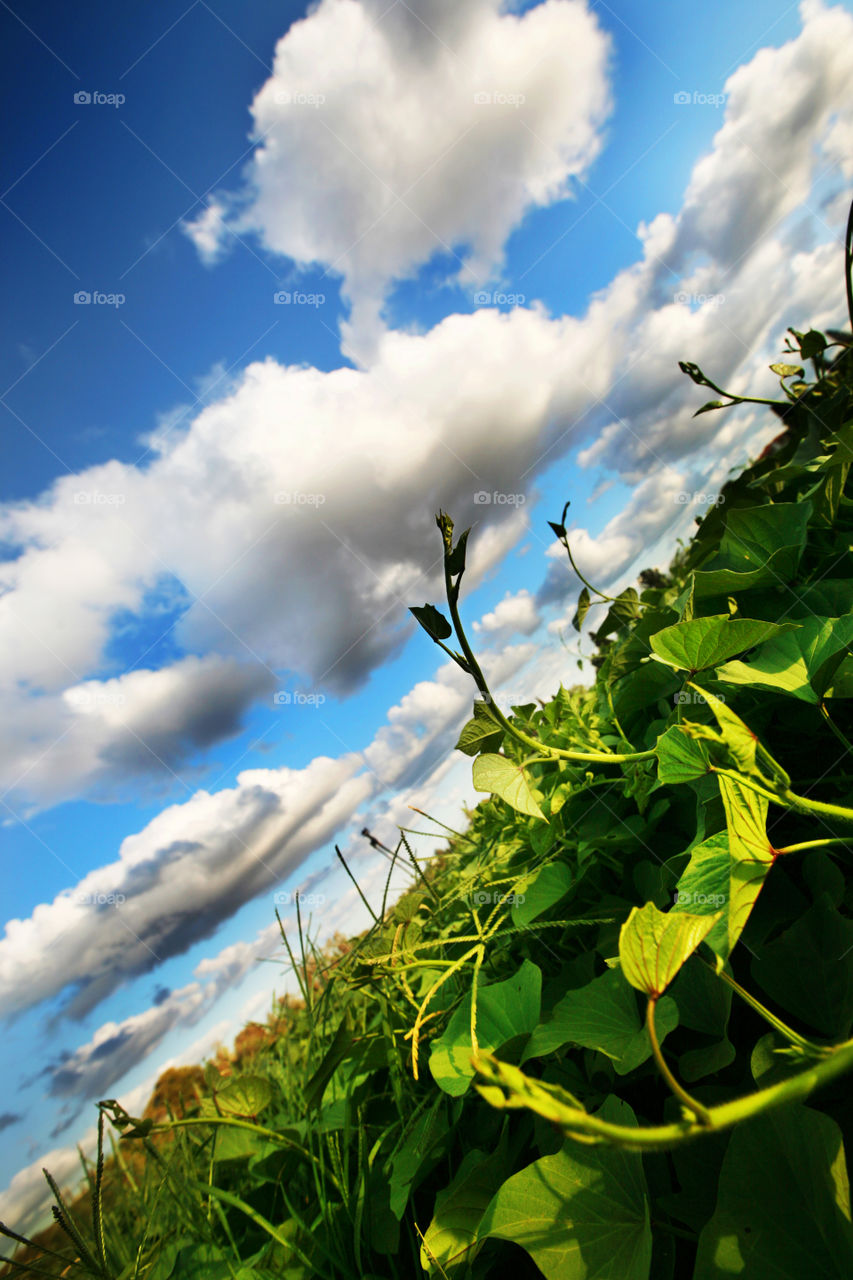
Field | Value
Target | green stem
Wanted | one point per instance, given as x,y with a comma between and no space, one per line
805,805
587,757
370,910
814,844
546,1100
681,1093
834,727
787,799
793,1037
601,594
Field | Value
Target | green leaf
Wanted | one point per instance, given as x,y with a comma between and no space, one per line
706,642
808,970
653,945
751,853
681,758
202,1262
540,890
798,663
456,559
712,404
482,733
603,1015
508,780
624,610
683,602
787,370
244,1096
582,610
417,1152
695,1064
783,1202
240,1144
704,1000
812,344
504,1010
742,744
760,545
459,1209
704,886
334,1056
727,871
582,1214
434,623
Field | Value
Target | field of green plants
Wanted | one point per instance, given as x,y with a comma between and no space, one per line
606,1032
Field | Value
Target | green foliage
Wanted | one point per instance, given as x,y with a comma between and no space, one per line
651,894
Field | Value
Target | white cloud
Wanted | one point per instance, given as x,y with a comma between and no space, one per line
209,232
388,136
25,1202
516,614
118,1047
482,402
100,734
175,882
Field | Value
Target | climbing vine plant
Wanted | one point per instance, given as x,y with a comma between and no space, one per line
607,1032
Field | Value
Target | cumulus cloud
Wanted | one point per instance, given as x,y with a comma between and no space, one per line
295,512
387,137
516,614
118,1047
104,733
175,882
196,863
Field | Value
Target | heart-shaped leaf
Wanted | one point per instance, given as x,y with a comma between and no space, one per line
653,945
706,642
508,780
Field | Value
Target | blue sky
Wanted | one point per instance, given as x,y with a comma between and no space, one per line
493,231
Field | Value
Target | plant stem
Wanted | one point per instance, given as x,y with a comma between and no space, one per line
601,594
587,757
814,844
547,1101
814,1050
834,727
787,799
681,1093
